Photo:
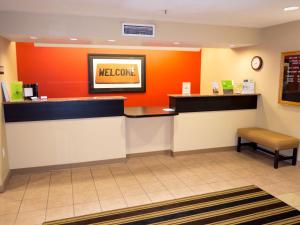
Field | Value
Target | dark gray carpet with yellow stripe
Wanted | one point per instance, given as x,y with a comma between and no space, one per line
245,205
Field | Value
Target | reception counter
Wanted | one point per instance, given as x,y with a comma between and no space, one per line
65,131
84,130
210,121
148,129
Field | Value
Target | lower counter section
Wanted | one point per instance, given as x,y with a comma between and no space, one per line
205,130
57,142
148,134
186,131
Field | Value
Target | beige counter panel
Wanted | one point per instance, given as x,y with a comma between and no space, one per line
204,130
148,134
43,143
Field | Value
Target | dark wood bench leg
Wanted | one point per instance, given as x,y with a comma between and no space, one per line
276,159
294,161
238,147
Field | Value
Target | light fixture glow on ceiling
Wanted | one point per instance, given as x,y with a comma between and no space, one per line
111,40
73,39
176,43
291,8
33,38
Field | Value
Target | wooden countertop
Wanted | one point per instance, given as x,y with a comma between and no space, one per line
199,95
149,111
102,98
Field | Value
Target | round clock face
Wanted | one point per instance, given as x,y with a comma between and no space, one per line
256,63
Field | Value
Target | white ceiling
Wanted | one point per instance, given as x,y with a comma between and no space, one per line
246,13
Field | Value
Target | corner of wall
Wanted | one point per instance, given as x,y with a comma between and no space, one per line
8,60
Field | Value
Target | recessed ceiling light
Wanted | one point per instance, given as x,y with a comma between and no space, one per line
176,43
33,38
111,40
291,8
232,46
74,39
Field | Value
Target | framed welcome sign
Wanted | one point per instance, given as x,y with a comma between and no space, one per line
116,73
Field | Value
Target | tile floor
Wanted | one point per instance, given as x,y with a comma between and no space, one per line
32,199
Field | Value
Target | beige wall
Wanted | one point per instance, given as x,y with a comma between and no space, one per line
218,64
8,60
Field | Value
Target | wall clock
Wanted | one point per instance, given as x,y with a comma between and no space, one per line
256,63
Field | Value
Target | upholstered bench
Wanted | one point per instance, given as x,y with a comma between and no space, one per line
271,140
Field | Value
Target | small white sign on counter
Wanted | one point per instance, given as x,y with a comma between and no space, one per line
186,88
215,87
248,86
28,92
168,110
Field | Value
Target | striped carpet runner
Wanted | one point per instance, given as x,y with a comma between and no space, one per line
245,205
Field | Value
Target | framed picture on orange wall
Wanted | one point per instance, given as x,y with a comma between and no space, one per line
109,73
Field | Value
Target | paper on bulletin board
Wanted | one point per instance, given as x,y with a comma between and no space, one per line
16,89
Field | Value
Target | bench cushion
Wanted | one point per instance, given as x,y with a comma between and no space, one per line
267,138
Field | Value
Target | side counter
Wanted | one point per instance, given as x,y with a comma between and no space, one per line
65,131
210,121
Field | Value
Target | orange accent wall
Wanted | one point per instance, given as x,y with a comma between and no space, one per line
63,72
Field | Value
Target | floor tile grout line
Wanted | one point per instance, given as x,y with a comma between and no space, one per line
118,186
26,186
176,176
196,175
72,191
139,183
91,171
107,169
48,197
189,169
159,179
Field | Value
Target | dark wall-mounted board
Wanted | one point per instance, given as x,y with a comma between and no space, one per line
289,83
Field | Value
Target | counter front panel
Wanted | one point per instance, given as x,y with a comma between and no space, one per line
63,109
199,103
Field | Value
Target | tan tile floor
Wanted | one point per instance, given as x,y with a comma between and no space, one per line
32,199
